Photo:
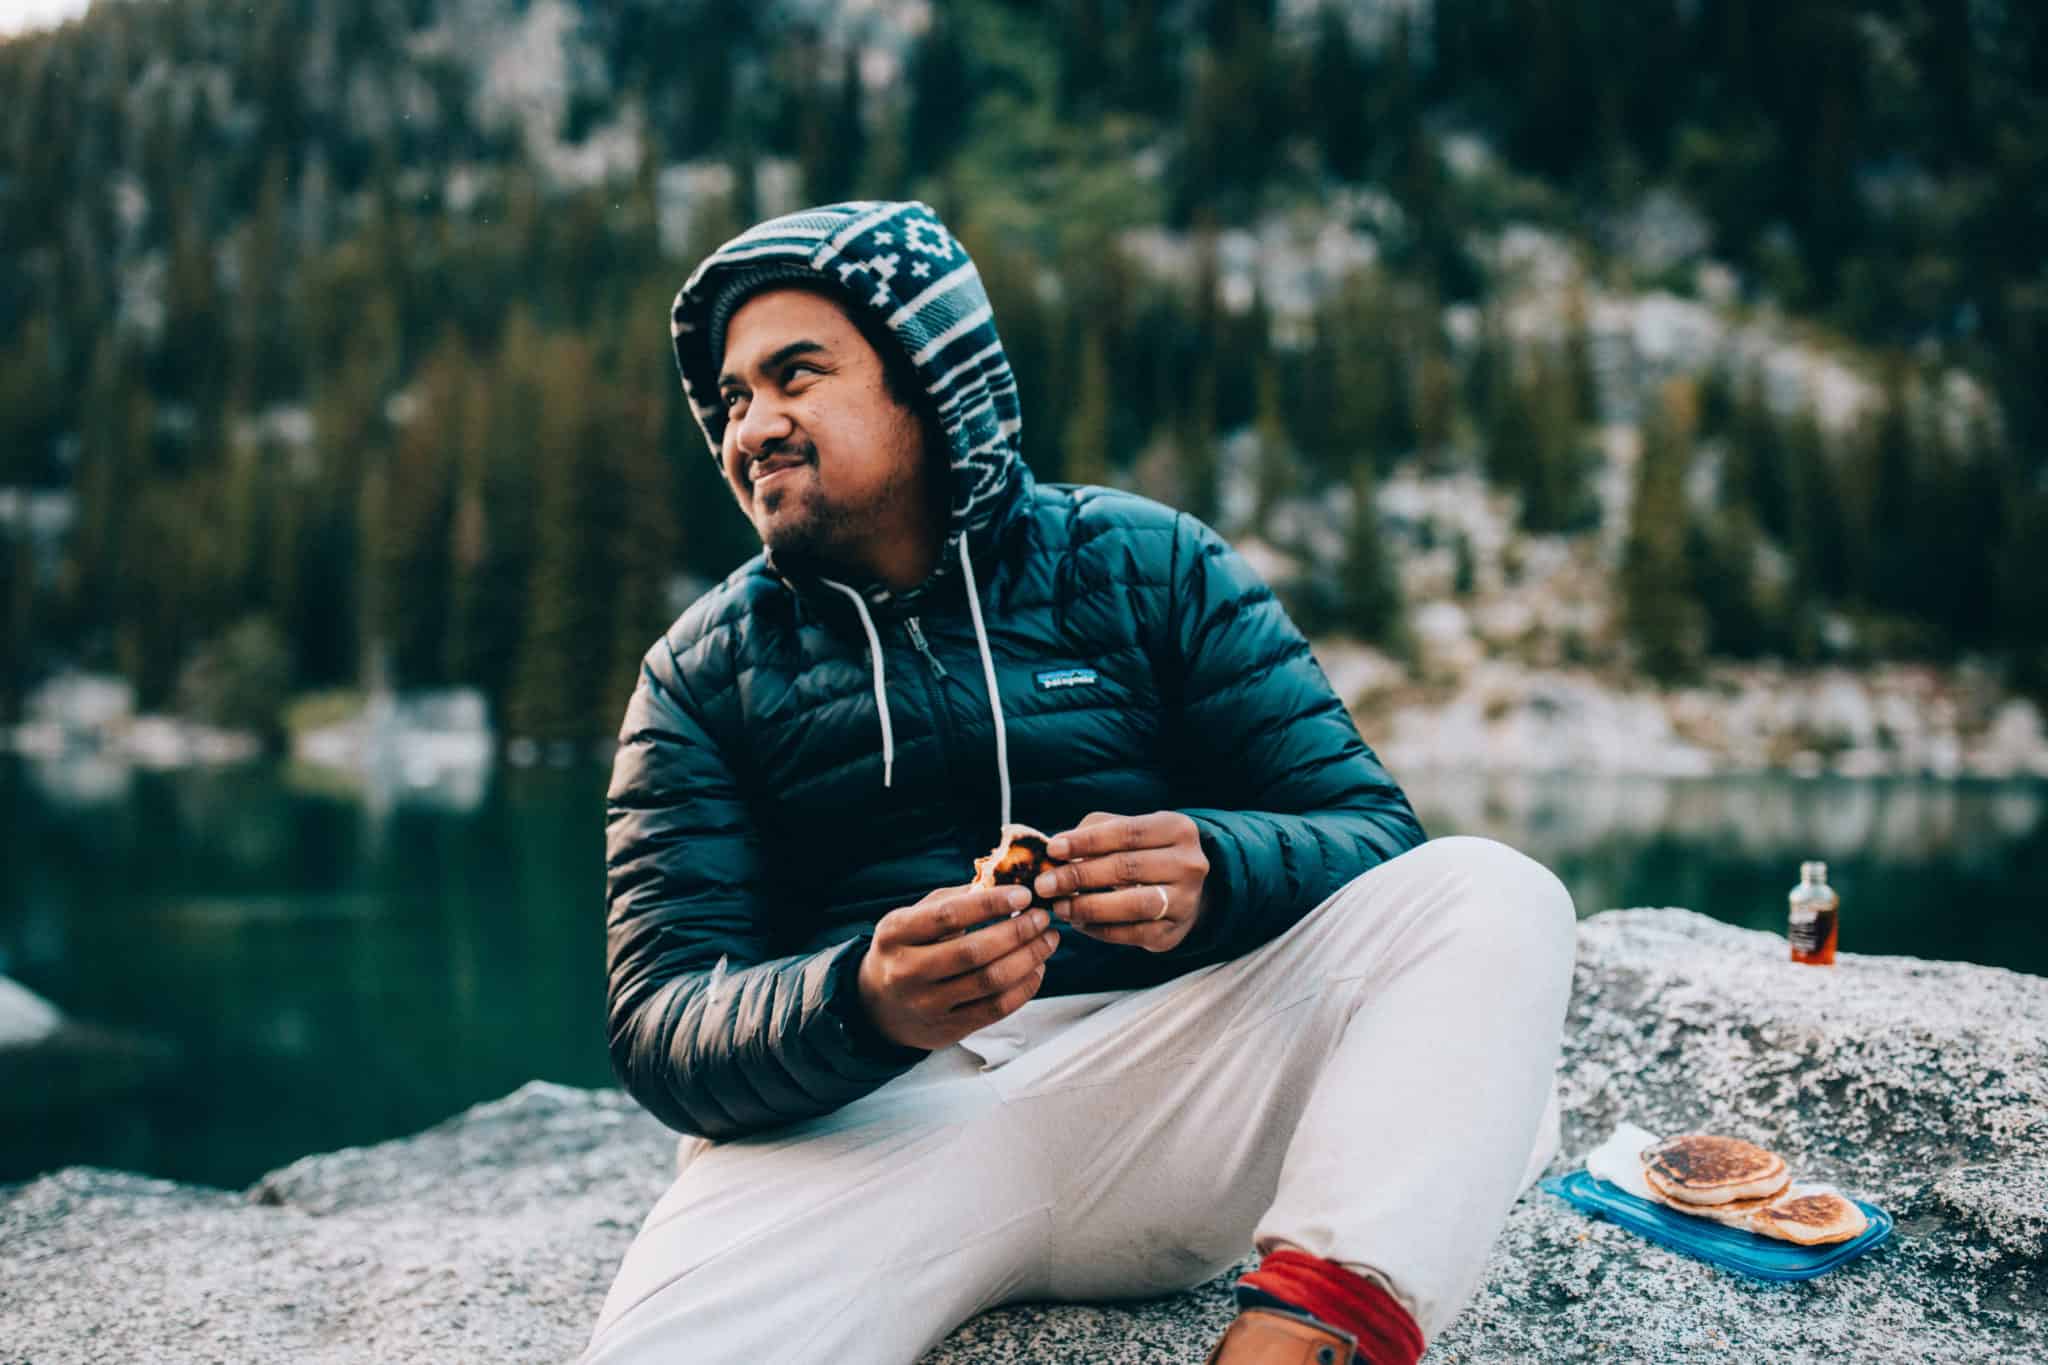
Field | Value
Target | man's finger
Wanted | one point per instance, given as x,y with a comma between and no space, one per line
996,977
936,918
1125,905
1115,833
971,952
1124,867
1154,935
981,1013
1098,833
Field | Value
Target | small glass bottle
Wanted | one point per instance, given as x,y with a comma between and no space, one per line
1816,917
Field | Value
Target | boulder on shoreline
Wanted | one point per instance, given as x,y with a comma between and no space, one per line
1920,1086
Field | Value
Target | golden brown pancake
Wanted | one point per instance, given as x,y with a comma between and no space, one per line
1016,860
1810,1219
1735,1213
1701,1168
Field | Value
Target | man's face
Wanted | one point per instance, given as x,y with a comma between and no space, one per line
823,460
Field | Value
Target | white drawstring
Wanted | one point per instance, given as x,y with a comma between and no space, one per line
881,693
988,671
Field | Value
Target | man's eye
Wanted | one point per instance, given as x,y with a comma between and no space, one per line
732,397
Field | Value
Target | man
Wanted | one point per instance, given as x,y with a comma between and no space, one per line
1262,1011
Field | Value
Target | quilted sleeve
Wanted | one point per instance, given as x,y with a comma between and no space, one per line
707,1031
1308,805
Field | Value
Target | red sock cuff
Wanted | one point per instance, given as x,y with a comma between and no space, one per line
1325,1290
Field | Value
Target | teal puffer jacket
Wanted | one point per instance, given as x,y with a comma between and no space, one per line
780,785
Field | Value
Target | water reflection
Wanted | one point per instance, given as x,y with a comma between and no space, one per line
305,970
1892,820
1905,854
256,965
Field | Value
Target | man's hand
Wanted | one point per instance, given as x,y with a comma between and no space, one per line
1135,879
927,984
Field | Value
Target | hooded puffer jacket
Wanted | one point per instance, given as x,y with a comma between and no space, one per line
803,755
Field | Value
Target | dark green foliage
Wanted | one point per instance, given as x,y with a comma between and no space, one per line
1464,567
17,623
1659,605
1371,587
1537,444
1087,442
240,680
214,217
943,93
1359,400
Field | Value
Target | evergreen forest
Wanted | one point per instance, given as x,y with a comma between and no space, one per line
352,370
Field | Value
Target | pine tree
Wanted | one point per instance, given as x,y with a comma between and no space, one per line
1740,615
117,422
831,133
562,688
31,410
1147,63
416,517
1033,339
1884,479
1359,379
1659,609
644,552
1370,588
264,358
1274,477
1085,54
17,622
1086,443
326,615
493,530
1339,79
2022,577
944,89
1195,417
191,363
1535,448
1582,383
885,171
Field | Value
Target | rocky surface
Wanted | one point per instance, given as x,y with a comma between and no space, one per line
1920,1086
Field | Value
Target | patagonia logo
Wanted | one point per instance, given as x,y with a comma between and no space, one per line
1055,678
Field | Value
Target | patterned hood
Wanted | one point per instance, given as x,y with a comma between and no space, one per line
898,261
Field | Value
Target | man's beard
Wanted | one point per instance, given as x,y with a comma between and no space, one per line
817,532
823,532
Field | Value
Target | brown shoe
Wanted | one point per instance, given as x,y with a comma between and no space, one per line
1267,1336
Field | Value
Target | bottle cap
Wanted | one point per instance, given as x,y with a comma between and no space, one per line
1813,872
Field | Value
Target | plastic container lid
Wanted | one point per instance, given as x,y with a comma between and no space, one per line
1747,1253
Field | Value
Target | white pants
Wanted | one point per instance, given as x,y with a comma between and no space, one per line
1375,1087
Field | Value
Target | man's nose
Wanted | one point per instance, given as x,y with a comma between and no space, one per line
762,426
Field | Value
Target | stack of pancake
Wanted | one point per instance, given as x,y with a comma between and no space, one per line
1743,1186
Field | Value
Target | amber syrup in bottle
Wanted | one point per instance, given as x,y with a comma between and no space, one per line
1816,917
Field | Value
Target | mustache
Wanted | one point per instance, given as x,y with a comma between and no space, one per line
798,450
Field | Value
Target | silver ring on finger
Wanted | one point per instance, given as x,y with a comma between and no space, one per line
1162,900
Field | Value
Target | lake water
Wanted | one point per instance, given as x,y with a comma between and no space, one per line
261,964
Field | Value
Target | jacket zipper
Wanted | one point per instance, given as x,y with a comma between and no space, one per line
917,638
942,723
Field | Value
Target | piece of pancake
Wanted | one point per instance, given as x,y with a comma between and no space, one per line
1810,1219
1702,1168
1016,860
1735,1213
